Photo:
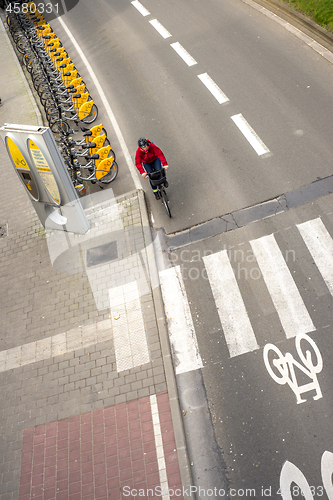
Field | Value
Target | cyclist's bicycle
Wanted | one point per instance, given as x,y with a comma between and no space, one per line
158,179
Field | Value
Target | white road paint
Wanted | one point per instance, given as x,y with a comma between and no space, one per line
129,336
107,107
140,8
283,369
213,88
291,474
184,345
250,134
320,245
235,322
326,473
183,54
287,300
160,28
159,448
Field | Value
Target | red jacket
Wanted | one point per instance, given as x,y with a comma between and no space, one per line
151,155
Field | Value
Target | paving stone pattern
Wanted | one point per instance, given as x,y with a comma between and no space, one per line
97,454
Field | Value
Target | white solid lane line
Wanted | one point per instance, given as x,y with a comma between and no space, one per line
286,298
238,331
160,28
159,448
320,245
250,134
140,8
213,88
186,356
183,54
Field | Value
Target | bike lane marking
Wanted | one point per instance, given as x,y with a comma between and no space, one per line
320,245
286,298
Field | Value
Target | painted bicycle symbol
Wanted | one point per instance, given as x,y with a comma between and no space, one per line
282,368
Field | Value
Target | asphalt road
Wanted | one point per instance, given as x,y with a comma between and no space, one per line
279,90
259,423
277,83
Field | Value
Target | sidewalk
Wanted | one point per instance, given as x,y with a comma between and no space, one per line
89,407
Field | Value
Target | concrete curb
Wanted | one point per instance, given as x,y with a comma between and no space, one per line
279,8
184,465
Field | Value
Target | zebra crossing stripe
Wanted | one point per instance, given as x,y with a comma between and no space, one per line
287,300
185,350
235,322
320,245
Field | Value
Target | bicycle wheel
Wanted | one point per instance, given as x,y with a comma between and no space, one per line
92,115
306,357
273,356
110,176
59,128
165,200
22,46
53,115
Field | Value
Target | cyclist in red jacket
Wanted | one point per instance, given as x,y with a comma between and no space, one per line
149,158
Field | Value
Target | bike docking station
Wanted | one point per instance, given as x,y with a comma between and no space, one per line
40,168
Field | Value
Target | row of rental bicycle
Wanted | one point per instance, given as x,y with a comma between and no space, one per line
68,105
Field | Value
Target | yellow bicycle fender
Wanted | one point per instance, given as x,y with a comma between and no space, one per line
46,31
103,152
76,82
85,109
104,167
99,141
96,130
67,62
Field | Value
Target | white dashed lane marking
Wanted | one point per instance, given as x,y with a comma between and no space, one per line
213,88
250,134
160,28
183,54
140,8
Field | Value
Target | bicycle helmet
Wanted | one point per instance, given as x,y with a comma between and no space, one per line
142,142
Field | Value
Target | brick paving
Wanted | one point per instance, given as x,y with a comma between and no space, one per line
106,453
74,423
